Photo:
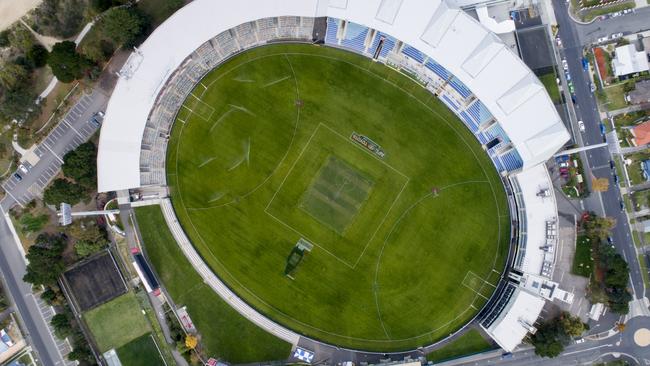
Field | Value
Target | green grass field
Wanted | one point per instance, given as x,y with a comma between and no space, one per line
117,322
469,343
224,333
140,352
407,247
583,263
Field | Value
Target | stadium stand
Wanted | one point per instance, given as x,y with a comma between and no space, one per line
413,53
469,69
355,37
386,46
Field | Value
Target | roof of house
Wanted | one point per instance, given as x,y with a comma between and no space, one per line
628,60
641,92
641,133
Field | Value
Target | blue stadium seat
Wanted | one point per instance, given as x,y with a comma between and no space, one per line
355,37
437,69
469,122
389,44
413,53
450,103
332,29
479,112
512,161
460,87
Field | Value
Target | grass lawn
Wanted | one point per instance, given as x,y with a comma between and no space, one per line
469,343
395,235
550,83
140,352
224,332
117,322
614,97
583,264
634,170
590,15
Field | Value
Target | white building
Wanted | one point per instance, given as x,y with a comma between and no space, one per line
629,61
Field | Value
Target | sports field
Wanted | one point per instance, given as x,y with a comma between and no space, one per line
117,322
409,224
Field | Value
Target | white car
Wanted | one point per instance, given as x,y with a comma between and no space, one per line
565,65
23,168
602,39
617,35
581,126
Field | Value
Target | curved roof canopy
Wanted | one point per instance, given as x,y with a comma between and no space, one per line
495,74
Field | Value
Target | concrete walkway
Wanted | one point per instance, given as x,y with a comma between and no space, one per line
215,283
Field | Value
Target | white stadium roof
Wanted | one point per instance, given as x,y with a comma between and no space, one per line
514,96
494,74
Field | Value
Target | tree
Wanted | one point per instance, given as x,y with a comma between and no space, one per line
61,18
45,259
80,164
84,248
12,75
597,228
62,190
61,325
572,325
554,334
37,55
66,64
17,103
4,38
123,25
98,50
191,341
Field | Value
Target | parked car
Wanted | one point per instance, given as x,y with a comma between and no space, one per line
592,87
565,65
616,178
580,340
97,118
18,177
23,168
617,35
611,164
622,205
602,129
628,11
581,126
602,39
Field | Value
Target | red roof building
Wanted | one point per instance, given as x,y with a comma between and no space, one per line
641,134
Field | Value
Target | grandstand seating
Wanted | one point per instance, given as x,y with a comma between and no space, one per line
438,69
497,307
450,103
413,53
355,37
479,112
251,34
460,87
332,31
388,45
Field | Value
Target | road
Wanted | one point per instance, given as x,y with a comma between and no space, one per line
12,265
596,161
626,24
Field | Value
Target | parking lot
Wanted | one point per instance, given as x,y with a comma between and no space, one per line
75,128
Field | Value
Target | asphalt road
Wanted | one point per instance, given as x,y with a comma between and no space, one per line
626,24
12,265
597,160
